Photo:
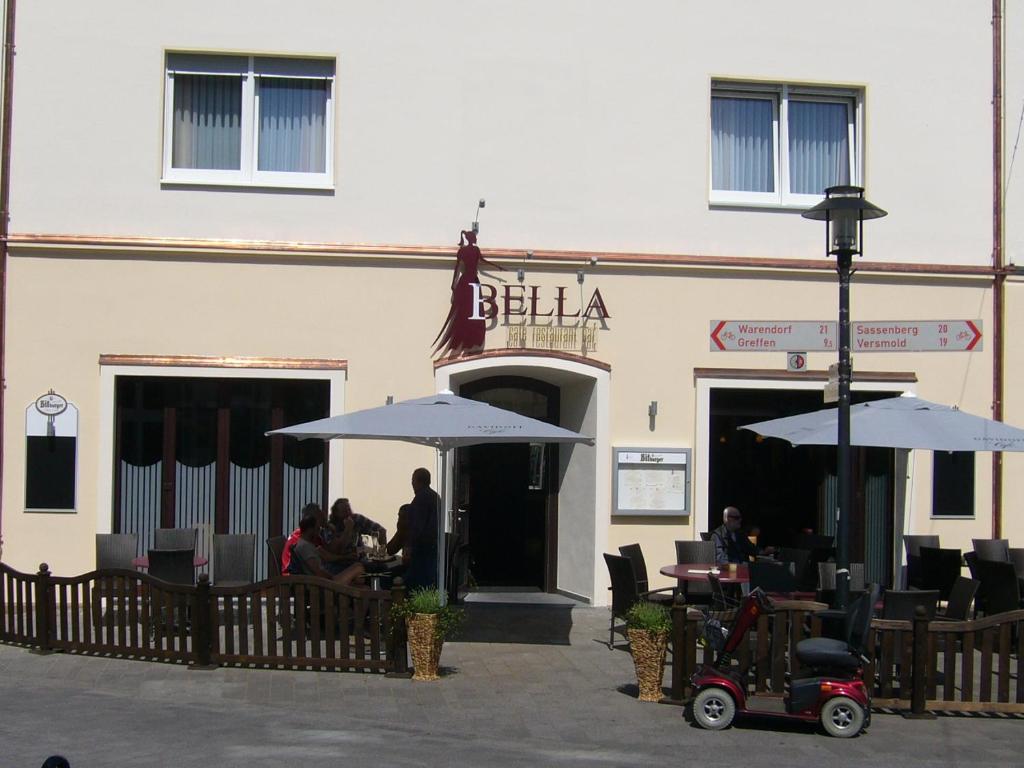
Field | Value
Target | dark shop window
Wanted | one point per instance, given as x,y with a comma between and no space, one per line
953,484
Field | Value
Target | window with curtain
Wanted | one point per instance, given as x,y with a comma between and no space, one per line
781,145
258,120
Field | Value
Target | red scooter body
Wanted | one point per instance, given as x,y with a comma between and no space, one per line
839,699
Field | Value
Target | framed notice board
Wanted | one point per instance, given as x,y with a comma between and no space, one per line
651,481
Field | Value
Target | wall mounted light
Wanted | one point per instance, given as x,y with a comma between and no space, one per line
390,400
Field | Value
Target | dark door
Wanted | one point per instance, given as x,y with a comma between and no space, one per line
509,492
784,489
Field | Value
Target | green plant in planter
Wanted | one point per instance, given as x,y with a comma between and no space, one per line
649,617
428,600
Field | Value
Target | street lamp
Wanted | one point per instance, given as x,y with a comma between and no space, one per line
844,211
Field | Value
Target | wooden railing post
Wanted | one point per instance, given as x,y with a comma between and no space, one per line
44,614
680,638
201,626
397,643
919,666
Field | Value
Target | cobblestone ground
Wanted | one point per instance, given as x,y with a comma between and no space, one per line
555,695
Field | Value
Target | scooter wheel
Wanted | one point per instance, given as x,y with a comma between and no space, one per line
714,708
842,717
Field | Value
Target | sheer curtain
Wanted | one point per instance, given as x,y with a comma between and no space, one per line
819,147
207,128
292,122
742,147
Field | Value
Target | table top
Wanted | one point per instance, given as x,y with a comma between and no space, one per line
699,572
142,561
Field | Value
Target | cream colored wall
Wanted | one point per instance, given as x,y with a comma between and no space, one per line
585,125
381,317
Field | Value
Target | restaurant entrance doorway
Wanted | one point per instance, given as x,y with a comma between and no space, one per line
785,490
509,494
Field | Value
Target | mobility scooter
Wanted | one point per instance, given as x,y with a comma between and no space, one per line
830,689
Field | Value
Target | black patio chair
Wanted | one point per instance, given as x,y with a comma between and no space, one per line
913,543
901,604
234,559
275,546
999,591
113,550
663,596
960,598
695,552
174,566
774,578
624,593
1017,558
827,581
940,568
806,579
997,550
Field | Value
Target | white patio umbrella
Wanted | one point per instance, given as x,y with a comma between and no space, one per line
898,422
443,421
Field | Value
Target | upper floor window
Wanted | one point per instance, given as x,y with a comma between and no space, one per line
782,144
250,120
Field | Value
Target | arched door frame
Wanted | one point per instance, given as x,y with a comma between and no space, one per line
580,578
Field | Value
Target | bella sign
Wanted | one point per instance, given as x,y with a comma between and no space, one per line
514,302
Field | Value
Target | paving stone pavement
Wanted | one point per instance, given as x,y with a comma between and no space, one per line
565,701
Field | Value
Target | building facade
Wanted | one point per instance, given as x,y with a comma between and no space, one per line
218,228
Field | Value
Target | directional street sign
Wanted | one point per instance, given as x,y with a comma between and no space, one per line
821,336
772,336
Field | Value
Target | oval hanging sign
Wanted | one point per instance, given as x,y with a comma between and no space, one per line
51,404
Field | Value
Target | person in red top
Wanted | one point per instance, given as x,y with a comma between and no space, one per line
286,555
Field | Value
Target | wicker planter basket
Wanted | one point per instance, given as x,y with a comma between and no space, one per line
424,645
648,650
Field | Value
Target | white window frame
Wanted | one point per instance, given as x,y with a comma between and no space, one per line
248,175
781,95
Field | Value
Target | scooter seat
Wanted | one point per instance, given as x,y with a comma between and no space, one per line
826,652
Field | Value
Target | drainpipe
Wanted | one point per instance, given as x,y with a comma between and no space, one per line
5,216
999,280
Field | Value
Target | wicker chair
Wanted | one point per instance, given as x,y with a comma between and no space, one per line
624,592
940,568
901,605
997,550
116,550
234,559
913,544
175,538
695,552
663,596
275,546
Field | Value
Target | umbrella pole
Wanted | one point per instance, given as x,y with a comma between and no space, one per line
442,506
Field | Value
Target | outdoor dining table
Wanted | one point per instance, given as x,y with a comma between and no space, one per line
699,572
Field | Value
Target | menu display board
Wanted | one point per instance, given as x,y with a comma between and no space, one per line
651,481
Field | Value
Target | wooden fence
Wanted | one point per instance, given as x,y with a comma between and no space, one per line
285,621
971,666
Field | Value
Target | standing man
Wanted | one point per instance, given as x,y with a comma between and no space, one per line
731,546
421,538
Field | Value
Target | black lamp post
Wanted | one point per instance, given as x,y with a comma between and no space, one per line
844,211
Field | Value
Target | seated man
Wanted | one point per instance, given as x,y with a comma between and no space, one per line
341,515
305,556
731,546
